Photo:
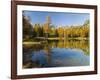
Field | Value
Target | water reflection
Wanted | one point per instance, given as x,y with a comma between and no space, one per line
56,53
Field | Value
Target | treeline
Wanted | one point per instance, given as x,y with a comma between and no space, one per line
38,30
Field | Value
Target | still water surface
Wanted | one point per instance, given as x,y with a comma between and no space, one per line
56,54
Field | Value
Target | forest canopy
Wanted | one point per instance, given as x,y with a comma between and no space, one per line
31,31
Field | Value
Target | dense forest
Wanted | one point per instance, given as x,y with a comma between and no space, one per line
31,31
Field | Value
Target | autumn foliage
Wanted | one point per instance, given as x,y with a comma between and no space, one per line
39,30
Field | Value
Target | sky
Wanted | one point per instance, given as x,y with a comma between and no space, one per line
57,18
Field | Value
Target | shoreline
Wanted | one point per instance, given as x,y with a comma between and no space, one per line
40,42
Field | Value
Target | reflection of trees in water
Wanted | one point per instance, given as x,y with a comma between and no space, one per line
33,47
46,47
48,52
79,44
28,53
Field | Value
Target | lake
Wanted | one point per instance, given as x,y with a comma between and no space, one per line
56,53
